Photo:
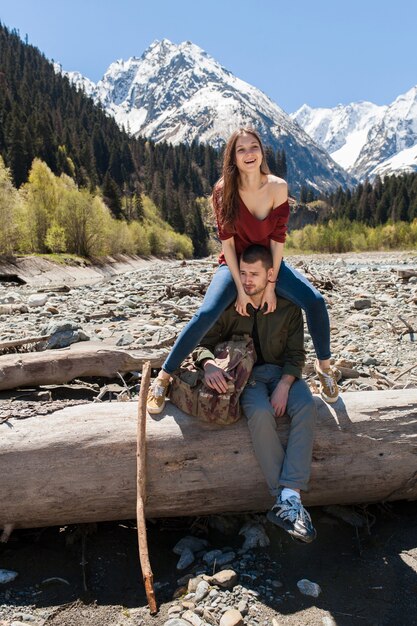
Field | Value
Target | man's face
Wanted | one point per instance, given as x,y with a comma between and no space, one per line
254,277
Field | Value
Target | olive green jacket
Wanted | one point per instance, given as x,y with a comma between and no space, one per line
281,335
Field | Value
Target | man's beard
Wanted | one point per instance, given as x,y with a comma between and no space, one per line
255,292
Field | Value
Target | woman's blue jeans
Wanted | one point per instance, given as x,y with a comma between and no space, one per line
222,291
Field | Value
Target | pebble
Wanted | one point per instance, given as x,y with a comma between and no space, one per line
193,618
201,591
186,558
362,303
308,588
125,340
211,557
226,579
174,610
37,299
232,617
7,575
195,544
225,558
242,607
255,536
176,621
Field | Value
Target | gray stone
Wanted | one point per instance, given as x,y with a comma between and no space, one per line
7,575
201,591
11,297
125,340
231,617
192,543
362,303
174,610
242,607
176,621
184,580
193,583
37,299
186,558
369,360
255,536
225,558
226,579
308,588
211,557
209,617
193,618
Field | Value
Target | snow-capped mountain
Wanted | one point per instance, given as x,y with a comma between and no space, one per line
364,138
391,145
343,130
178,93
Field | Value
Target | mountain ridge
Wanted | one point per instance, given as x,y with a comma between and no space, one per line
180,94
368,140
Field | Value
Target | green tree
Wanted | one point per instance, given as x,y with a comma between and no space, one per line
9,207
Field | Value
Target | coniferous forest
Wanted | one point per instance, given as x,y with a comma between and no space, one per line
66,167
43,116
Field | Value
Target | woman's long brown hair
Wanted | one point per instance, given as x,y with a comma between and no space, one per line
225,196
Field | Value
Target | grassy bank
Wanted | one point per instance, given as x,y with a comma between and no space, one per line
345,236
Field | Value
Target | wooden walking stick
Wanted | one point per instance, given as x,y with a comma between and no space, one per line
141,490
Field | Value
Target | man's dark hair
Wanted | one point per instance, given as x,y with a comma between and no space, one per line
255,253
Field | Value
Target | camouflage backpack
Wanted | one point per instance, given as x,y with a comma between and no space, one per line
189,393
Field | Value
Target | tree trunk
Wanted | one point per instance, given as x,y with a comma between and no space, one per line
79,464
90,358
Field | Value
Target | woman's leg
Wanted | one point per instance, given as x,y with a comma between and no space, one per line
220,293
295,287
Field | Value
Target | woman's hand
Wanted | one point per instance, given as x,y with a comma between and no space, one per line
241,303
269,298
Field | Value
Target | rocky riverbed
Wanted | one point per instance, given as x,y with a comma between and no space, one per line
372,302
220,570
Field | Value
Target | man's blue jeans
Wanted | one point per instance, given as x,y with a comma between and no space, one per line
290,467
222,291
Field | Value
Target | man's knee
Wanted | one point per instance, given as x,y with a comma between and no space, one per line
259,418
301,401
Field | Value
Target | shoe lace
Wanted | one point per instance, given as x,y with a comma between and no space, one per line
158,390
290,509
329,381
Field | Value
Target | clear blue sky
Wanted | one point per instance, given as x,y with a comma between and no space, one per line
319,52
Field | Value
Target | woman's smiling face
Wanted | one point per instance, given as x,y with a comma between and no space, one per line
248,153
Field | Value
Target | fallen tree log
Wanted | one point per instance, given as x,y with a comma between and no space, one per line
79,464
87,358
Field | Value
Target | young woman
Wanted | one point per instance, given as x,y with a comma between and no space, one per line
251,206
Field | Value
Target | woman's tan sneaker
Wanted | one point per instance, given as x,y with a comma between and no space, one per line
157,396
328,378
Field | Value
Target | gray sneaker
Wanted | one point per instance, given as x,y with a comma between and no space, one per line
292,517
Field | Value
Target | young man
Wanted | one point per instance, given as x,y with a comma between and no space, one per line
275,387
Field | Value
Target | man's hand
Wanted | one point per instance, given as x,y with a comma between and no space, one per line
279,397
215,377
269,298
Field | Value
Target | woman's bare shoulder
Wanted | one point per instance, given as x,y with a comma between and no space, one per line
276,181
278,189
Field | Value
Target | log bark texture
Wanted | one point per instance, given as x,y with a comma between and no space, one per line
79,464
87,358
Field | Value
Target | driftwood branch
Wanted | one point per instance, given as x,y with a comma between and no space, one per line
141,490
17,345
84,359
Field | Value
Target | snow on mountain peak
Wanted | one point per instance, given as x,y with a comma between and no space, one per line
364,138
179,93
